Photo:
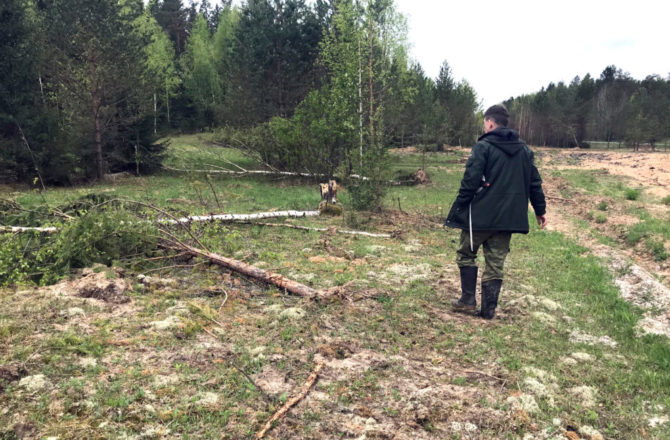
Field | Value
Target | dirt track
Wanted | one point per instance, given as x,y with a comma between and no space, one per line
649,170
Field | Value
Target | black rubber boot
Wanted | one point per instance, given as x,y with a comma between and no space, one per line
467,302
490,292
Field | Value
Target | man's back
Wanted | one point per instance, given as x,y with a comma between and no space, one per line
499,180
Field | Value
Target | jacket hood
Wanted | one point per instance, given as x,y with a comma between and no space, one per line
505,139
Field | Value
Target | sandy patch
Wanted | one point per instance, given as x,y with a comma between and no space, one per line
578,337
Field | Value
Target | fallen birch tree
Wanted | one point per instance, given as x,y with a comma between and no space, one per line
20,229
241,217
284,173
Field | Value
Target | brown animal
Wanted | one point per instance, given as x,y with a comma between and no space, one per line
329,191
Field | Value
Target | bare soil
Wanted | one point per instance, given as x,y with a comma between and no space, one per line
641,280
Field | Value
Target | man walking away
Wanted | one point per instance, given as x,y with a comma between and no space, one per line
492,204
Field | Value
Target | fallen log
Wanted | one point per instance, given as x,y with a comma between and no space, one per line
311,380
185,220
19,229
241,173
334,230
276,173
241,217
253,272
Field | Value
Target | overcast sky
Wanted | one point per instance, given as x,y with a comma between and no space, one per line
509,48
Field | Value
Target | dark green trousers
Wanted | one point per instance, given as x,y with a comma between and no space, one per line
496,248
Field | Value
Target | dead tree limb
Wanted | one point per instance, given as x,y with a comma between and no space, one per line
241,173
560,199
305,228
311,380
253,272
282,173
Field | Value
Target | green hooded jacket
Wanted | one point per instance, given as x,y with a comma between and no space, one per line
500,177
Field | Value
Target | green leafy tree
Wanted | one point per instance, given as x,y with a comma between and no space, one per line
160,71
202,83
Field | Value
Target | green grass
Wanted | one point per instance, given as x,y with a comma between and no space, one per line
406,316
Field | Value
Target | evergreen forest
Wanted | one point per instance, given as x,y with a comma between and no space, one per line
90,88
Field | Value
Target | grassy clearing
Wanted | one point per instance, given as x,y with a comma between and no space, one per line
597,182
115,371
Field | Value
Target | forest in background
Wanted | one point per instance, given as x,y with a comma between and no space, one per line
614,108
88,88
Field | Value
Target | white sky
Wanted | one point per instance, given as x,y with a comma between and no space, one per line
514,47
508,48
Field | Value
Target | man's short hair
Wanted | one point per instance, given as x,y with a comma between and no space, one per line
499,114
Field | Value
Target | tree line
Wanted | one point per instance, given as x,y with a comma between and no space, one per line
88,88
614,108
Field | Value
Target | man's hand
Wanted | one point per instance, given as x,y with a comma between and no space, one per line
541,220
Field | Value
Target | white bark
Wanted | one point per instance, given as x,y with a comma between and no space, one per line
19,229
241,217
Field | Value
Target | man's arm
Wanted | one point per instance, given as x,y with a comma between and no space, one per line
474,170
537,199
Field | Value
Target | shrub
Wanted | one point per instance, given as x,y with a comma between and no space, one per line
666,200
657,248
636,233
631,194
601,218
602,205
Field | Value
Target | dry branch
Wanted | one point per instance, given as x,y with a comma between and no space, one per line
276,173
311,380
252,271
559,199
335,230
241,173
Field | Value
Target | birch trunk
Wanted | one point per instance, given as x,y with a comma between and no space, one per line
95,113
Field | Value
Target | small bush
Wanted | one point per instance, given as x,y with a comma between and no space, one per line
657,249
602,206
601,218
636,233
666,200
631,194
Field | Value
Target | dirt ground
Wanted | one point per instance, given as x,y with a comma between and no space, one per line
649,170
425,373
641,280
